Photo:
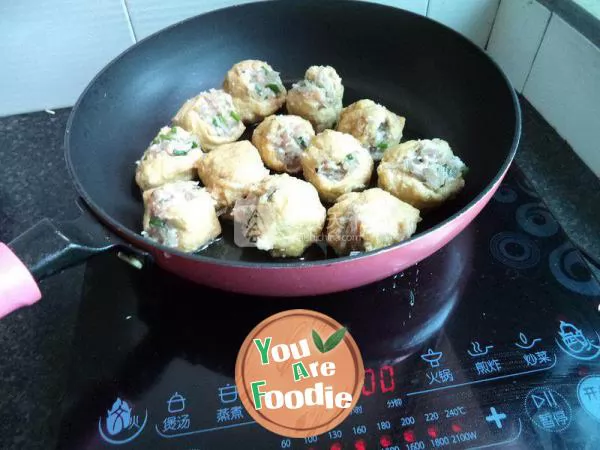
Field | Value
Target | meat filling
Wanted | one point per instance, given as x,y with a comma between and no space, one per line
337,171
290,143
174,141
319,85
431,166
215,107
382,136
264,83
159,228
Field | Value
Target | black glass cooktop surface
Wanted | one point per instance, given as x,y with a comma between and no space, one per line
492,342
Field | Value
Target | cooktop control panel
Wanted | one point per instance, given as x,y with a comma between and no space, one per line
490,343
538,391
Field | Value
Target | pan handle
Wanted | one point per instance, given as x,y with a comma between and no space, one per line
45,249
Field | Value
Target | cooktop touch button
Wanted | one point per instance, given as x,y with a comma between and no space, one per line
495,417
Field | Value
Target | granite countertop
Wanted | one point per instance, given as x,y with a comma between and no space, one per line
35,343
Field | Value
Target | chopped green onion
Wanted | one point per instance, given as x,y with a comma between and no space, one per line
165,137
194,145
258,89
180,152
235,116
350,157
301,142
222,119
265,70
270,194
214,122
382,146
157,222
274,88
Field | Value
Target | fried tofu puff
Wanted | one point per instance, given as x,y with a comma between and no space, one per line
256,88
368,220
281,141
317,98
212,117
282,215
424,173
335,163
180,215
171,156
229,170
376,127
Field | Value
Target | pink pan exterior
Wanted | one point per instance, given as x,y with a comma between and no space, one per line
17,286
299,280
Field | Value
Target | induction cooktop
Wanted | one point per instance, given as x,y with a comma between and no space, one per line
492,342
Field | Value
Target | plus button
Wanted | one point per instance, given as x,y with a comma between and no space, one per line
495,417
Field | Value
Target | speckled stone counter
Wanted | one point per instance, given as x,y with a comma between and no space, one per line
34,183
35,343
570,190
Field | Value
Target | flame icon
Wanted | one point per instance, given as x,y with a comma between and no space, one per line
524,342
477,350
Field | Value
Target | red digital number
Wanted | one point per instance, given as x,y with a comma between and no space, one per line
369,386
386,379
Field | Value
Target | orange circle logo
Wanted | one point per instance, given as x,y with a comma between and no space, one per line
299,373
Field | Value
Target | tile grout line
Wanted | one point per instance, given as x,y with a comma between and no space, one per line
537,51
489,36
128,18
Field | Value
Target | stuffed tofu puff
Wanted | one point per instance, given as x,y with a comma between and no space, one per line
373,125
172,156
229,170
317,98
203,141
282,215
180,215
256,88
212,117
368,220
335,163
281,141
424,173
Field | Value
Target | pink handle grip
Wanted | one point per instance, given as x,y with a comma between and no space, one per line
17,286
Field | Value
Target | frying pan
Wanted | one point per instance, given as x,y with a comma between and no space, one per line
443,84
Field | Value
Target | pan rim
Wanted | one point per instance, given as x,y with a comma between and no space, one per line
142,242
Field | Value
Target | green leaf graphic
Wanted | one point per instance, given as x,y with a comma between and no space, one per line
318,341
334,340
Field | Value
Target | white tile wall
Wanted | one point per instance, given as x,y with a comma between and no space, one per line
564,86
516,37
49,50
593,6
473,18
149,16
